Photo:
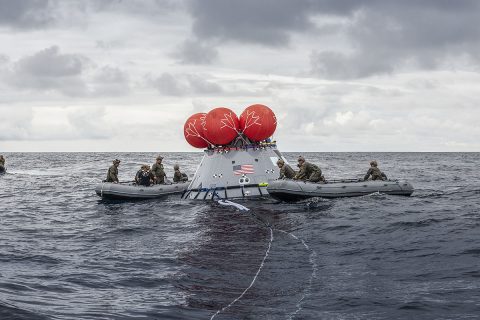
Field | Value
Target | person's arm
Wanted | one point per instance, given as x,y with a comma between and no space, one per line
136,177
369,172
300,174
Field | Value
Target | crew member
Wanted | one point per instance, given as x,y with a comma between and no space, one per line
308,172
286,172
144,176
112,174
158,171
375,172
179,176
2,164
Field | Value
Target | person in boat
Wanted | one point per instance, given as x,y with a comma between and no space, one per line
179,176
144,176
375,172
286,172
112,174
2,164
308,171
158,171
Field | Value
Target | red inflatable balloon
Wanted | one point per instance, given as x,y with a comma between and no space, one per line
221,126
193,130
258,122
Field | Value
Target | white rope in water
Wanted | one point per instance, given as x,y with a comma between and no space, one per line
253,281
312,256
307,290
233,204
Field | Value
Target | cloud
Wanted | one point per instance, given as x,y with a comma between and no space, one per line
184,84
194,52
387,36
142,8
73,75
26,14
16,123
88,123
49,69
110,81
266,22
377,37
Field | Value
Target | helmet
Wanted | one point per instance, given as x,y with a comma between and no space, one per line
116,161
373,163
280,161
300,158
159,158
176,167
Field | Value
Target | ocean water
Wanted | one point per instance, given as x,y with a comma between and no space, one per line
66,254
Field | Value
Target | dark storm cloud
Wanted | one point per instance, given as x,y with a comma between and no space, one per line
49,69
265,22
382,36
390,35
181,85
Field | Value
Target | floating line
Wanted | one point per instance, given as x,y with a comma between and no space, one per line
312,257
253,281
307,290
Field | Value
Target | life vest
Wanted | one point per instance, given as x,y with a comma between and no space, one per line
143,178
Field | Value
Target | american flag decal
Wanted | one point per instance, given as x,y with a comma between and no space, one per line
243,169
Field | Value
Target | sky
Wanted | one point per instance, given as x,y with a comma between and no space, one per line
342,75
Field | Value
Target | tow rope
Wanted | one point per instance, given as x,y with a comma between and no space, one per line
312,256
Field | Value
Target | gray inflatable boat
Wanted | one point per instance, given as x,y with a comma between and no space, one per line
291,190
132,191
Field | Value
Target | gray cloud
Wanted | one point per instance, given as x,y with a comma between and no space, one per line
51,63
181,85
110,81
266,22
25,14
4,59
144,8
195,52
386,36
69,74
381,36
49,69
